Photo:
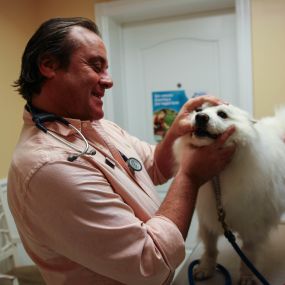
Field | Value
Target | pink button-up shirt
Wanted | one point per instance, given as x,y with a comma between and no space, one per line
88,221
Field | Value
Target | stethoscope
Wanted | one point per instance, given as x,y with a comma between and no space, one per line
40,117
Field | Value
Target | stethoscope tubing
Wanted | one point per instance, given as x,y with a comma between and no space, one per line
40,117
57,137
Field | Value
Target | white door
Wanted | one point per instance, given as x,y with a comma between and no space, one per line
197,53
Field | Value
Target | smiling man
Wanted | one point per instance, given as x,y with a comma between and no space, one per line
83,81
97,219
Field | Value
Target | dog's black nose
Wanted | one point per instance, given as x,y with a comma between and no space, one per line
201,119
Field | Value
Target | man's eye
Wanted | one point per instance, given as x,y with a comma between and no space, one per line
222,114
97,67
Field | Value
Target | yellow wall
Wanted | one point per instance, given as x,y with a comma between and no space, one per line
65,8
19,19
268,40
17,22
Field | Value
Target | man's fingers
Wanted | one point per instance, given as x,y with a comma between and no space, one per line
186,126
223,138
194,103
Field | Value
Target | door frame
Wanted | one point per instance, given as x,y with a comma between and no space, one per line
111,17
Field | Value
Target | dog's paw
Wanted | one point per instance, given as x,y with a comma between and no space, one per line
247,280
202,272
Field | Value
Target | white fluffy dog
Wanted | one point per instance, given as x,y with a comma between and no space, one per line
252,185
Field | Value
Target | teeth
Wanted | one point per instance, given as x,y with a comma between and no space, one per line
204,133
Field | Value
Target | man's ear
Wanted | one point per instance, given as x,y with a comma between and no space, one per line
48,66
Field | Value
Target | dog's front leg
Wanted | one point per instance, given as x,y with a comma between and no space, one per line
207,266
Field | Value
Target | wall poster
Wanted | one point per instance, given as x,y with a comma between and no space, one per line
166,105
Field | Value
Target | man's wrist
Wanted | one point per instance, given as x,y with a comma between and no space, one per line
192,180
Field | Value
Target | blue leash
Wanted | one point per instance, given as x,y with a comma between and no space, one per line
219,267
232,240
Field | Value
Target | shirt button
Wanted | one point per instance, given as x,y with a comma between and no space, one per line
84,125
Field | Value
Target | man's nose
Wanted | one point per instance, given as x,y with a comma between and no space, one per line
106,81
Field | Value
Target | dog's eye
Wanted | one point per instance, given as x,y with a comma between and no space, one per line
199,110
222,114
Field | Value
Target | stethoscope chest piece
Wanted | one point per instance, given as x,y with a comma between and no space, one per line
134,164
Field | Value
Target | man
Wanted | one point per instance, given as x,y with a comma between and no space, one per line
94,220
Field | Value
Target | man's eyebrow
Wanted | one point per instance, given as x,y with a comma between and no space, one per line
97,58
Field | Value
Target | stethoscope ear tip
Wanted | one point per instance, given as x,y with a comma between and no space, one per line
71,158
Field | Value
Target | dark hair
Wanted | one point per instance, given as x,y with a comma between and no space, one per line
51,38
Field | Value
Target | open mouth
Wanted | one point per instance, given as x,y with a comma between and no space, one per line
97,95
202,133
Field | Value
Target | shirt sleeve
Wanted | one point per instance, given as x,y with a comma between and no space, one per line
72,209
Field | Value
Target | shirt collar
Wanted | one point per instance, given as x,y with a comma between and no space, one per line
58,127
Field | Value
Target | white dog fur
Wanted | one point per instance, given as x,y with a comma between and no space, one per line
252,185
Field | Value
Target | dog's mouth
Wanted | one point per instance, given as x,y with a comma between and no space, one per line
203,133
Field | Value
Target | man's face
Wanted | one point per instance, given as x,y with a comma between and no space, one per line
79,89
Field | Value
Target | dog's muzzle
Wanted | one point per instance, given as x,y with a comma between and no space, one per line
201,123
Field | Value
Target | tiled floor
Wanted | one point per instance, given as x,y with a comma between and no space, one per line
272,263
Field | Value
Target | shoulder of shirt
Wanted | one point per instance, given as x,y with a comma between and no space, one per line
106,122
25,164
109,125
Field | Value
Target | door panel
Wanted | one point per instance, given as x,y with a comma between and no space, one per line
199,53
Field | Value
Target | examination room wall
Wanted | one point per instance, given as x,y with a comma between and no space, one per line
19,18
17,22
268,43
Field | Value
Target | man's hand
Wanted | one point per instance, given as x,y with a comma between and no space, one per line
202,163
181,124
